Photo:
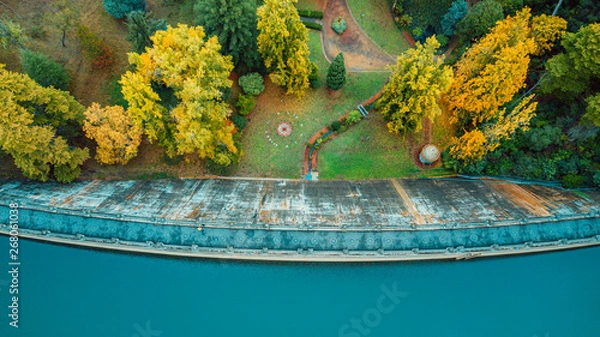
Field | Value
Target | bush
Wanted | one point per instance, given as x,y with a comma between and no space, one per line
310,14
313,25
313,78
115,95
44,70
596,178
245,104
442,39
96,49
573,181
239,121
336,126
252,84
403,21
339,25
353,117
120,8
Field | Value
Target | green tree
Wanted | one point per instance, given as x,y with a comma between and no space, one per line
64,17
336,74
120,8
11,34
44,70
175,94
417,81
234,23
141,26
33,120
571,74
282,43
457,11
482,16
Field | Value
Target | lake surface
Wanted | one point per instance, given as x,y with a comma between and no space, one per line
66,291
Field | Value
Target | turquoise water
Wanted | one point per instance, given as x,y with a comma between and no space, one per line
74,292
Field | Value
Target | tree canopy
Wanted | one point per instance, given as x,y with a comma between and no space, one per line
282,43
120,8
34,122
175,94
141,26
336,74
417,81
234,23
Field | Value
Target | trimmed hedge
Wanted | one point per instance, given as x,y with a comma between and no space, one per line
312,25
310,14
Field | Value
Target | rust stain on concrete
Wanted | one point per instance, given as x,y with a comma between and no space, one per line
408,202
525,199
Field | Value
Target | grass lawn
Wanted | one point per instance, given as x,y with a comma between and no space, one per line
368,151
375,19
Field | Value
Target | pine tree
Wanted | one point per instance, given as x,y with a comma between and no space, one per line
121,8
283,45
417,81
234,23
188,71
141,26
336,74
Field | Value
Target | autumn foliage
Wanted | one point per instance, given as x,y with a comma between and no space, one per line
175,94
490,75
100,53
118,138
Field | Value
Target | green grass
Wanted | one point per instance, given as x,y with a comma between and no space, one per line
377,19
366,150
266,154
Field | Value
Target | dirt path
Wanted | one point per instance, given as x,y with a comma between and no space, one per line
360,52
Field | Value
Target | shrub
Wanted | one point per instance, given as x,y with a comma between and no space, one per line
314,75
239,121
442,39
245,104
336,126
44,70
336,74
313,25
252,84
403,21
115,95
339,25
596,178
353,117
573,181
310,14
96,49
120,8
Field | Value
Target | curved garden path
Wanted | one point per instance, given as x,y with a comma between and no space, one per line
360,52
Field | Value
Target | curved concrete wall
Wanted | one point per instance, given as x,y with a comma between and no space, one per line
392,219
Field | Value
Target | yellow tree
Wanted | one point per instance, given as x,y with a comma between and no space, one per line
546,30
30,116
489,75
283,45
175,94
417,81
118,138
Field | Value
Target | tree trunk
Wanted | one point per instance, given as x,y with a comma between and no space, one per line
557,7
64,35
